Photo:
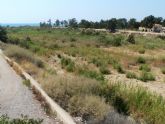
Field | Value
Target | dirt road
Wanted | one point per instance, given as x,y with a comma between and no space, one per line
16,98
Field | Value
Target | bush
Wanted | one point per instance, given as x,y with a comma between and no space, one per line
62,89
91,74
97,62
145,67
119,68
142,51
104,70
15,41
21,54
141,60
131,39
3,35
68,64
117,41
131,75
136,101
147,76
114,41
92,107
72,39
163,70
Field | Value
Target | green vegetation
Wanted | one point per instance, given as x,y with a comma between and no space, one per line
27,83
68,64
131,39
141,60
146,76
24,120
131,75
137,101
145,67
142,51
90,56
23,54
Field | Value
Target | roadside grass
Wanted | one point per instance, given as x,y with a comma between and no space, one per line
69,92
92,87
23,120
21,54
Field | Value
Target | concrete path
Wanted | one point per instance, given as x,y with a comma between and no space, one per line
16,98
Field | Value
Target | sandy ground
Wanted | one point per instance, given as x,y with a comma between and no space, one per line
16,98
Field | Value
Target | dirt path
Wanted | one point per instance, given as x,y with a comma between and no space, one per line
16,98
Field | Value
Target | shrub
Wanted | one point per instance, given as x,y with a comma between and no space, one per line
62,89
28,39
141,60
136,101
3,34
117,41
23,120
25,44
72,39
131,39
91,74
131,75
119,68
142,51
21,54
68,64
15,41
145,67
97,62
163,70
147,76
27,83
104,70
92,107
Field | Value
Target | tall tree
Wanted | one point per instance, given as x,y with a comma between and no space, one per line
122,23
3,34
73,23
65,23
85,24
111,24
133,24
57,23
163,23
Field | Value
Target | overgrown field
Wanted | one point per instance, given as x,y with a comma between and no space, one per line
72,65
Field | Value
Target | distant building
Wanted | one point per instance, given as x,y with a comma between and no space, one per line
143,29
163,29
157,28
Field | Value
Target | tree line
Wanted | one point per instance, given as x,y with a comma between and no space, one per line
111,24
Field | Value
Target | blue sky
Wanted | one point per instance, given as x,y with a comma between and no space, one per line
31,11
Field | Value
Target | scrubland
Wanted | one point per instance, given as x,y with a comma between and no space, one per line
72,64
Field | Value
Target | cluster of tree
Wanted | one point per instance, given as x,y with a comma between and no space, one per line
3,34
110,24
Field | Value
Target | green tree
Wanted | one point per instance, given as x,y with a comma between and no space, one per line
163,23
65,23
85,24
122,23
133,24
57,23
149,21
73,23
111,24
3,34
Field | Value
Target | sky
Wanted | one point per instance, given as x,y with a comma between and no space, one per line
34,11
